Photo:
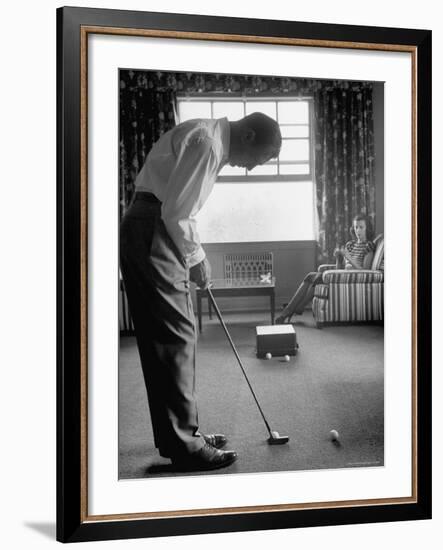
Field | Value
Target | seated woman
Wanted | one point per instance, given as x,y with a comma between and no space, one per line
357,254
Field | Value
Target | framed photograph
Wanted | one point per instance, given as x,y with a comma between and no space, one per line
244,226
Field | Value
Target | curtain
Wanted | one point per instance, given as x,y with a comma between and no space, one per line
145,114
344,162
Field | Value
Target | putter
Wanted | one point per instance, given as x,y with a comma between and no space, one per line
274,437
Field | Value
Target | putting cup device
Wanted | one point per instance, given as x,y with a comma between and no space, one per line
278,340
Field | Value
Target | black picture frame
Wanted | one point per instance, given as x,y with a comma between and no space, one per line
73,523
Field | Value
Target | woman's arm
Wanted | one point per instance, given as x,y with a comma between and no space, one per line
351,261
348,256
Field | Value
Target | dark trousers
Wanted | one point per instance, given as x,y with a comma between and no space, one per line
304,294
157,286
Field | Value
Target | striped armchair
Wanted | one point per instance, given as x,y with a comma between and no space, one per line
347,296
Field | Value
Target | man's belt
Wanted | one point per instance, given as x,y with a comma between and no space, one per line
147,197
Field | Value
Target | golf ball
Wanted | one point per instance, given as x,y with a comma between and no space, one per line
334,435
287,358
268,355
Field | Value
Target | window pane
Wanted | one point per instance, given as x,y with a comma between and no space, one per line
194,109
295,131
263,170
265,107
293,111
231,109
228,170
248,213
299,169
294,149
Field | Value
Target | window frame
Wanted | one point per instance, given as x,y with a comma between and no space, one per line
261,97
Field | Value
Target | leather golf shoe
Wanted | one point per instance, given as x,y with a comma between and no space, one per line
206,458
216,440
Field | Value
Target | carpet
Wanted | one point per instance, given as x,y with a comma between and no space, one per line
335,382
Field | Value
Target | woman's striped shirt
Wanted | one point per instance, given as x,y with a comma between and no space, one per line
358,251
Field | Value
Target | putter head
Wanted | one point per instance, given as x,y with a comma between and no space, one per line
277,439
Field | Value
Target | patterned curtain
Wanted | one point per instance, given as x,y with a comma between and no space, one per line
344,160
145,114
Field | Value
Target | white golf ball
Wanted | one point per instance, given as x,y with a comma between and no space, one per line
268,355
287,358
334,435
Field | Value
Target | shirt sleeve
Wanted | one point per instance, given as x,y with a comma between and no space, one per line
188,186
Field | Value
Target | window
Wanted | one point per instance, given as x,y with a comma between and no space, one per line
266,206
294,117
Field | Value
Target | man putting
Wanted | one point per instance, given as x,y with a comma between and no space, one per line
160,253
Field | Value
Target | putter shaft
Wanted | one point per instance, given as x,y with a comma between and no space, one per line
217,311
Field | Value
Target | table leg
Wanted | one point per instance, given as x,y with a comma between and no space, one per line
209,309
199,309
272,305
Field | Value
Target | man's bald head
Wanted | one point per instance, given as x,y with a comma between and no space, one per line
267,130
255,139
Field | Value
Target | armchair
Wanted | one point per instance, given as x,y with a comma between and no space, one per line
347,296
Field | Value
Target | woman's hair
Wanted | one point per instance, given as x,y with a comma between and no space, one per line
369,230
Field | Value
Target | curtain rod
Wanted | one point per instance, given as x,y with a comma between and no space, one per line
236,96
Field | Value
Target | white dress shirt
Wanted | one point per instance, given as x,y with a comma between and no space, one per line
180,170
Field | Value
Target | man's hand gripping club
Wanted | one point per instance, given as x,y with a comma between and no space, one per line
200,274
